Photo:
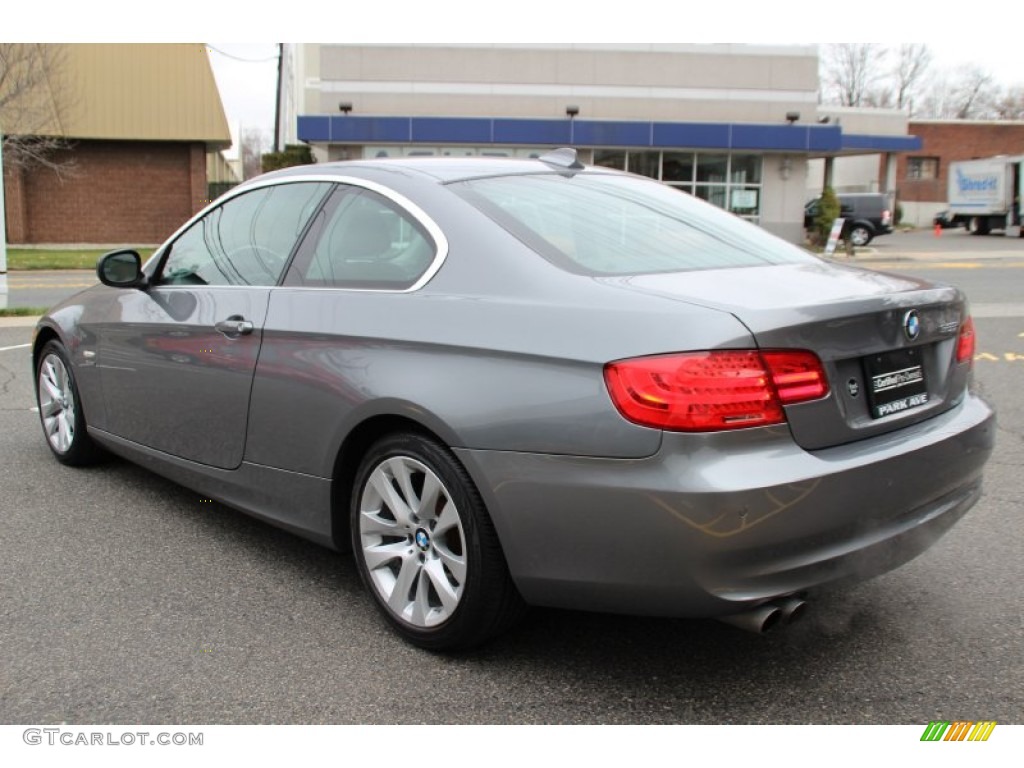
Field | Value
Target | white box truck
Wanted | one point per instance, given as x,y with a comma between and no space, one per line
985,195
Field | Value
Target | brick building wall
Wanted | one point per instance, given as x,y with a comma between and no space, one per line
130,192
949,142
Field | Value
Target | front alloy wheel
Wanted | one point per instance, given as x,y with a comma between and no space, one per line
56,403
60,408
426,548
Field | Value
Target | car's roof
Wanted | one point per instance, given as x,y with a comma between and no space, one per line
443,169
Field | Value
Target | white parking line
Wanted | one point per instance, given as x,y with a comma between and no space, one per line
16,346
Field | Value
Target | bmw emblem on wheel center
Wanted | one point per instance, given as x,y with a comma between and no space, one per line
422,539
912,325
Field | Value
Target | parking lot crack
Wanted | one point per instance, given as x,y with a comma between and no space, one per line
6,377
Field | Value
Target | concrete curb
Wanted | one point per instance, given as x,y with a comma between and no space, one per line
18,322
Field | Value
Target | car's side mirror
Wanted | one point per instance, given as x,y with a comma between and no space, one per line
121,269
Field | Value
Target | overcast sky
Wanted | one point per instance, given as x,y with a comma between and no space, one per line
247,88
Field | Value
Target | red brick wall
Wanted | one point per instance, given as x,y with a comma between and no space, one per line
14,204
117,192
950,142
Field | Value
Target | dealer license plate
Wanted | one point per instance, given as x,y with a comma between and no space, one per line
895,381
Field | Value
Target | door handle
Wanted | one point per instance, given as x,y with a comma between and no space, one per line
234,326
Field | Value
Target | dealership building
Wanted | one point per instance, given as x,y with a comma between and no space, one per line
736,125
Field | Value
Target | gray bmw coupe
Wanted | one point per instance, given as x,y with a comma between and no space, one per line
506,383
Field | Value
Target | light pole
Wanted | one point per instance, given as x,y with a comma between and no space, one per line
3,229
571,111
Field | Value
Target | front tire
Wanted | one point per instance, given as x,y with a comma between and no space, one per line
60,409
426,548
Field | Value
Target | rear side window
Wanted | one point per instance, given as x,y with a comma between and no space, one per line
619,225
362,239
245,241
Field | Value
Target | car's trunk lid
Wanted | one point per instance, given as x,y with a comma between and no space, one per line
861,324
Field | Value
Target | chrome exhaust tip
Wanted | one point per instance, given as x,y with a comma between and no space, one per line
792,609
759,620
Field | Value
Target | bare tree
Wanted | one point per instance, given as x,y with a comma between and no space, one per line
935,100
973,94
35,100
879,98
1010,106
852,71
912,60
254,144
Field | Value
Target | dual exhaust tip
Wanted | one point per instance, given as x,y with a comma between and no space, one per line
768,616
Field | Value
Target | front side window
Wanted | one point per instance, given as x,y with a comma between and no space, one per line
362,239
612,225
245,241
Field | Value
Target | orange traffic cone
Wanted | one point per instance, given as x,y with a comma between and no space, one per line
938,229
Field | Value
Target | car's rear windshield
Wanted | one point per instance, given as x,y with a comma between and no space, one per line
601,224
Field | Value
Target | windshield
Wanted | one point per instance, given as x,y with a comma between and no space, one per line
621,225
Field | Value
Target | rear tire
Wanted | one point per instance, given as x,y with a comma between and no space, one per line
60,409
425,546
860,235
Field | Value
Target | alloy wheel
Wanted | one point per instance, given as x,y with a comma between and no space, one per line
860,236
413,542
57,403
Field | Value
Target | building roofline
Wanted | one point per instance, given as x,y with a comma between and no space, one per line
966,122
865,111
129,92
729,49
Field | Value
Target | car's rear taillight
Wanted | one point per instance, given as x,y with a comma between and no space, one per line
886,218
715,390
965,343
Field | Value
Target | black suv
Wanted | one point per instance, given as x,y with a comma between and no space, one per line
867,215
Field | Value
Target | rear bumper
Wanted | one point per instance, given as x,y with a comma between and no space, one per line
716,523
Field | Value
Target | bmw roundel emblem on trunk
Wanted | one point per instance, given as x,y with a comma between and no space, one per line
912,325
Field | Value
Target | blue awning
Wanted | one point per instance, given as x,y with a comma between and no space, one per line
812,139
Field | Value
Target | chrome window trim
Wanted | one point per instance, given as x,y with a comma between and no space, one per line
407,205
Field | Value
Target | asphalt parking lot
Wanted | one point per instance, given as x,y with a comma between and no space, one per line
127,599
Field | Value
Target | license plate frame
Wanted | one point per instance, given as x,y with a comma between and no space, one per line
895,381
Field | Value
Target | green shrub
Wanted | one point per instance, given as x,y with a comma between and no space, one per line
828,212
293,154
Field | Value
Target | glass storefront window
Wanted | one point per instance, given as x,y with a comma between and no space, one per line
645,163
745,169
744,201
677,166
732,182
712,168
610,158
713,193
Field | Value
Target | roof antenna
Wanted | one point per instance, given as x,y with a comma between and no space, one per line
563,158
